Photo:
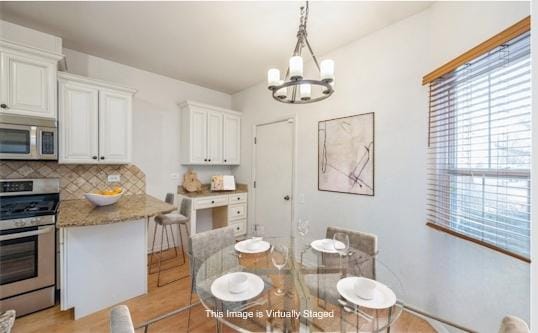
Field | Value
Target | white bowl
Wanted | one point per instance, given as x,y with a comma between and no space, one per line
254,243
237,283
364,288
103,200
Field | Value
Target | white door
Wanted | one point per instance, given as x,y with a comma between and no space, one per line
28,86
198,139
78,122
273,174
114,127
214,137
232,137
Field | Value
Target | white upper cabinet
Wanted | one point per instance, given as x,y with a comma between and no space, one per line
27,81
209,135
78,108
231,139
95,121
214,137
115,119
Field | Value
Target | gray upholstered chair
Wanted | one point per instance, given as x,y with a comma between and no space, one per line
324,285
512,324
7,319
166,221
120,320
204,245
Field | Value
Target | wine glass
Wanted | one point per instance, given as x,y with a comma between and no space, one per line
303,227
279,257
341,244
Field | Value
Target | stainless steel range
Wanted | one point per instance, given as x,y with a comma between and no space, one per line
27,244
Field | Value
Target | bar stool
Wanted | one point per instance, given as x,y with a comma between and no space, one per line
166,222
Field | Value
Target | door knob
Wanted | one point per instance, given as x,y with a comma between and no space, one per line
287,197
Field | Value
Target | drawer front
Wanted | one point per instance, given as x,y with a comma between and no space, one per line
238,198
216,201
240,227
237,211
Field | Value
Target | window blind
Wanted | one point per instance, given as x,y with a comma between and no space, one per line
480,148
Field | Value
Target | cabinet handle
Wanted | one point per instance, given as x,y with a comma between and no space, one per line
205,159
209,160
94,157
238,198
238,212
102,157
3,106
212,201
224,161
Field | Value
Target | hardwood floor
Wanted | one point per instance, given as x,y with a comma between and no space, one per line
159,301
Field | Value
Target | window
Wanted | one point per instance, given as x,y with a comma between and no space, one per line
480,148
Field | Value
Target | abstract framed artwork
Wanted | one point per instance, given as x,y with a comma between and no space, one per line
346,154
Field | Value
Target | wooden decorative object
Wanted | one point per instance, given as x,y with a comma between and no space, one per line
191,182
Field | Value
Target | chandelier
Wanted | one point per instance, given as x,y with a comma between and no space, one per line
294,88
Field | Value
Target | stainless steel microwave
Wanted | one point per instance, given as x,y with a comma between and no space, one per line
28,138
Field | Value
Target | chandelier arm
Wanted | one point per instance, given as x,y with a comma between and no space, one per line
312,53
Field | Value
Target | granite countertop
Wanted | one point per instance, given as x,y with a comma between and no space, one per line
79,213
206,191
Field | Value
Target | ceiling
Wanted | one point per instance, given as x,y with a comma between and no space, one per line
226,46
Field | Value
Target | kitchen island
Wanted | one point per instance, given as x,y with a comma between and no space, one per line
103,251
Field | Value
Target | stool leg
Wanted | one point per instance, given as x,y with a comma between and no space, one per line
160,256
180,243
167,241
173,240
152,246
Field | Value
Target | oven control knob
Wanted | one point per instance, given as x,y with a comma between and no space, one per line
20,223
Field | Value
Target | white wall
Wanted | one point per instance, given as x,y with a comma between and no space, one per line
381,73
155,117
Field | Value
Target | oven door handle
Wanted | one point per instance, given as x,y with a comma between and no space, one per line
26,234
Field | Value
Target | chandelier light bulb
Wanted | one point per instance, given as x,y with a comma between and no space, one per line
306,91
296,67
326,68
273,77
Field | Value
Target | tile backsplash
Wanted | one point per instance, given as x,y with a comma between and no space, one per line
77,179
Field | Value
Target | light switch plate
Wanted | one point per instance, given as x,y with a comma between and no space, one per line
113,178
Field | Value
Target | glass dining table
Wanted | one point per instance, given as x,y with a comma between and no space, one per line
312,292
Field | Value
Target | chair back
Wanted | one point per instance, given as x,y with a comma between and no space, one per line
185,208
206,246
169,198
7,319
362,241
120,320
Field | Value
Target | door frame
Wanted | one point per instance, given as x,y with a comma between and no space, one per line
293,119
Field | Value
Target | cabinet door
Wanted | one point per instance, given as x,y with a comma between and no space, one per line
198,137
115,117
28,86
232,136
78,123
214,137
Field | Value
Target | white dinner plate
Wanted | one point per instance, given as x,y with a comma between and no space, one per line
383,298
245,246
219,288
325,245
